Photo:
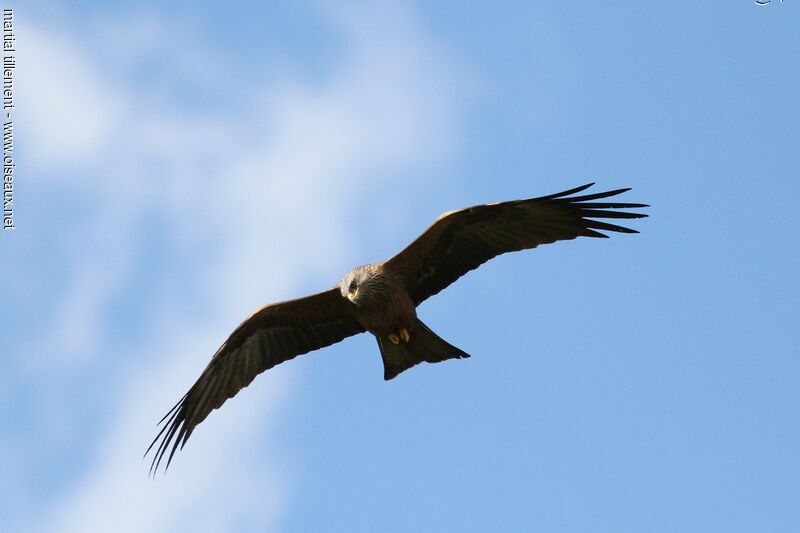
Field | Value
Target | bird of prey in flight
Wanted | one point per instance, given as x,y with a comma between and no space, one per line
382,298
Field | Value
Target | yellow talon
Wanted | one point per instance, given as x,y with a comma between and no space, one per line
401,335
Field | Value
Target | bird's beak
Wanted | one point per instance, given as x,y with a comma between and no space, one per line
353,295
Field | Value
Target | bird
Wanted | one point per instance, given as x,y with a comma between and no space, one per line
382,298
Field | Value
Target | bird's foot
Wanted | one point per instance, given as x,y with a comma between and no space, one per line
402,334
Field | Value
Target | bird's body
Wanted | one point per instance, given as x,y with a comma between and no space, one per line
383,307
382,298
381,303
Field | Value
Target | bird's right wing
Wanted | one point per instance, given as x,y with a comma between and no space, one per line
273,334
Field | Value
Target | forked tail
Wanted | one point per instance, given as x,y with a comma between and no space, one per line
423,345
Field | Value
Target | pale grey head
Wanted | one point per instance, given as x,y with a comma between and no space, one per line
362,284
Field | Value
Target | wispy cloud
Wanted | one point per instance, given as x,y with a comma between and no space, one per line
221,193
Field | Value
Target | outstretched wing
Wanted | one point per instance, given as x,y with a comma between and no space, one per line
273,334
460,241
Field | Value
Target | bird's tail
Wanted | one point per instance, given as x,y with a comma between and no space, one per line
423,345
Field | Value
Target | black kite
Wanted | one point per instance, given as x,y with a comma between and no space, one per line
382,298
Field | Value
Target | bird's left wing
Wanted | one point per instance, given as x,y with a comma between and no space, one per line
273,334
462,240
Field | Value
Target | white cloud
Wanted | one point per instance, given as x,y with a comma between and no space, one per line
67,108
223,469
304,154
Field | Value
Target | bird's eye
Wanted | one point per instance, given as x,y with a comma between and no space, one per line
352,286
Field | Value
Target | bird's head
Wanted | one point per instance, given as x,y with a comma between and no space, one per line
356,284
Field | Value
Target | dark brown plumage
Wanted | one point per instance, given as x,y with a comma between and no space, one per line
382,298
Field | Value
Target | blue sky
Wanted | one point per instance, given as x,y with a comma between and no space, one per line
178,166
